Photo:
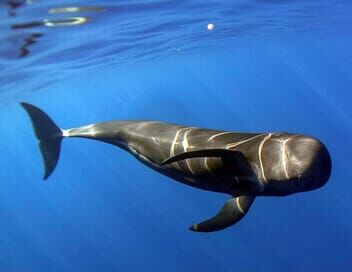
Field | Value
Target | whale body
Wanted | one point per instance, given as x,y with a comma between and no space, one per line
242,165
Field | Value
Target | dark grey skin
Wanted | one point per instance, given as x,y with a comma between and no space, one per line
243,165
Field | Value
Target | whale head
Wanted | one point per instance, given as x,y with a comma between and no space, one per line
294,163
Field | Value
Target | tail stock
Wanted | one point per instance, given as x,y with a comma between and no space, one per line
49,135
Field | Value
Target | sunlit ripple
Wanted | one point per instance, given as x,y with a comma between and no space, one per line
137,30
70,21
75,9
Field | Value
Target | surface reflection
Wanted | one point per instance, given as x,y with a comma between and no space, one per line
27,25
124,30
75,9
31,38
13,5
69,21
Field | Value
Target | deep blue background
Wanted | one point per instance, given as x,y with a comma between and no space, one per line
102,210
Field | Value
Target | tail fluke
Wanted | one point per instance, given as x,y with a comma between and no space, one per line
49,135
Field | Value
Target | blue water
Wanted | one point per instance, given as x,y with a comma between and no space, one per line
266,66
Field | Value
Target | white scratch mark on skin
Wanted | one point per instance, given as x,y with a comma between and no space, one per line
284,157
172,149
239,205
232,145
189,179
229,146
185,141
218,134
260,155
209,140
206,165
155,140
185,146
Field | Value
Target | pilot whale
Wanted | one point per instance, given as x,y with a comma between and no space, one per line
242,165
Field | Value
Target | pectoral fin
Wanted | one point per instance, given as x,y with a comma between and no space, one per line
234,160
223,153
231,213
